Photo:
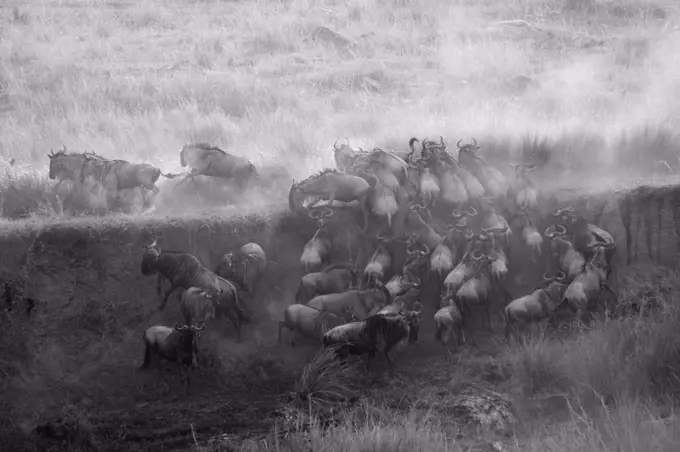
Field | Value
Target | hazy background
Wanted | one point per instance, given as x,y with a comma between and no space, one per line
279,82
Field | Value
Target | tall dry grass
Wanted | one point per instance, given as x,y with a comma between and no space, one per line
280,82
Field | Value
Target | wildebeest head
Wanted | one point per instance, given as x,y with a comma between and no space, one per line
188,334
468,153
413,317
149,259
523,168
63,165
558,241
554,286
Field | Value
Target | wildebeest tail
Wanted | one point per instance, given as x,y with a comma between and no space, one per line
243,315
438,334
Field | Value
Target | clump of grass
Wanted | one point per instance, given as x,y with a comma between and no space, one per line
326,380
633,357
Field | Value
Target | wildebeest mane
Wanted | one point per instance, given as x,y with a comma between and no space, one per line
392,327
322,173
207,147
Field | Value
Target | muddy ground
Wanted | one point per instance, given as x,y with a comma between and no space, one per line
75,357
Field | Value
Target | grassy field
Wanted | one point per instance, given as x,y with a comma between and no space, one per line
580,85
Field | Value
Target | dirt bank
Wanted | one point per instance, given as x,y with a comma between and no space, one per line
82,342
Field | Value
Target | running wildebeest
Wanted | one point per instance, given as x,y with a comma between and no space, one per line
207,160
333,185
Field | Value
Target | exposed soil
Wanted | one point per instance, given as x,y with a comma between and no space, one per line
82,342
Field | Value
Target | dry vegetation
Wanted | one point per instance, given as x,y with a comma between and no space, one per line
280,81
578,84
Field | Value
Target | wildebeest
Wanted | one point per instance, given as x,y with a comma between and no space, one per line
308,322
180,268
522,190
536,306
588,284
388,334
197,306
244,266
449,323
332,185
586,237
114,175
207,160
66,166
563,255
317,250
362,302
335,278
494,182
174,344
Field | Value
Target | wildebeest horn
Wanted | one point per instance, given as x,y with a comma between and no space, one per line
469,235
471,211
417,205
474,141
476,252
198,329
462,223
530,165
347,141
561,276
410,250
314,214
441,141
335,145
179,327
457,213
415,283
425,251
548,278
560,230
549,232
458,144
153,244
327,212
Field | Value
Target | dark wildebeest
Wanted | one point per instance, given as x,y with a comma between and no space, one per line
383,333
180,268
586,236
207,160
244,266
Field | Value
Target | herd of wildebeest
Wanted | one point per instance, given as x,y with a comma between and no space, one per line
453,216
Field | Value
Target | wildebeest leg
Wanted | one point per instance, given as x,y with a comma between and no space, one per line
167,295
236,321
283,324
147,358
625,212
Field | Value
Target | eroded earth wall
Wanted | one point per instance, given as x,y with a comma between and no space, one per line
86,280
